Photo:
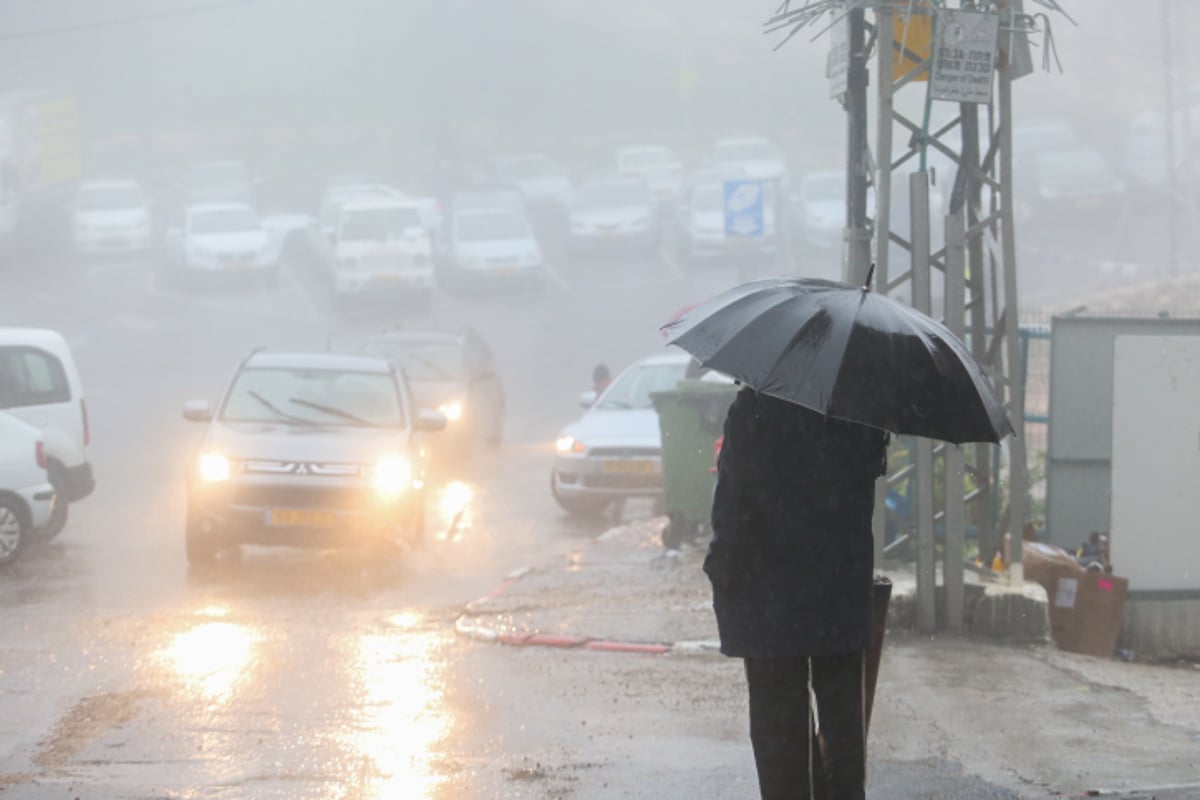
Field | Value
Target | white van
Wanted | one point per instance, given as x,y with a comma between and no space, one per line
381,245
26,496
40,385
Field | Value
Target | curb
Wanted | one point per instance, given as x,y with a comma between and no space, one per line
465,626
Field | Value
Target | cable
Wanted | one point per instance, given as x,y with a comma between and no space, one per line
112,23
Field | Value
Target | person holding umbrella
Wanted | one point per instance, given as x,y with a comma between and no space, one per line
828,370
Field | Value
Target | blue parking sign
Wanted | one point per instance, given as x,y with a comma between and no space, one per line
744,208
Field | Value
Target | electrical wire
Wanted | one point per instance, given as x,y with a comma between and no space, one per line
150,16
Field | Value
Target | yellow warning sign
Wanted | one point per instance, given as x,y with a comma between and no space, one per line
912,38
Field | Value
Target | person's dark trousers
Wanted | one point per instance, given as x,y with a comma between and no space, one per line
781,725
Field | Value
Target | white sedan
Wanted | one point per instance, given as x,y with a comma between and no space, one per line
493,246
111,217
223,240
614,451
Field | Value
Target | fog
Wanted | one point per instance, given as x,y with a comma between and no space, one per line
485,201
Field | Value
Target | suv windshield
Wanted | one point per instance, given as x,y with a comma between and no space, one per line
104,198
314,397
490,227
633,388
421,361
617,194
224,220
378,223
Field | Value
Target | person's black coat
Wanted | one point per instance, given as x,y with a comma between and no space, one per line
791,557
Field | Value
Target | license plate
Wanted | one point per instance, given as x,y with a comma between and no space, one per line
628,467
299,518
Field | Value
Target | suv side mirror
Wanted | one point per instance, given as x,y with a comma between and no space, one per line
197,411
429,420
587,399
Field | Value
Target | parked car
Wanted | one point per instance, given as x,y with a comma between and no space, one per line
39,385
612,212
454,373
702,231
377,245
26,496
111,217
493,247
819,205
755,156
657,166
614,451
218,182
545,186
309,450
222,241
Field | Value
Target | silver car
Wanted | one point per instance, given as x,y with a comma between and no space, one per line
309,450
614,451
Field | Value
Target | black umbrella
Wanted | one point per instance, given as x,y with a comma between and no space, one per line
848,353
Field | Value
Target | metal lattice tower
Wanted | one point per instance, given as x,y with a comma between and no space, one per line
977,263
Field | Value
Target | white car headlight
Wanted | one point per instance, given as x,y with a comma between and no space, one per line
452,411
569,444
213,468
393,475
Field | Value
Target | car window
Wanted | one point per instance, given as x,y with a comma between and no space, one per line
313,397
31,377
105,198
633,387
490,227
224,220
614,194
422,361
366,224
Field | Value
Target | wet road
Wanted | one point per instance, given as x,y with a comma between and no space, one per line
279,673
325,675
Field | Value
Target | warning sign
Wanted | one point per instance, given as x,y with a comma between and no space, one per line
912,35
964,58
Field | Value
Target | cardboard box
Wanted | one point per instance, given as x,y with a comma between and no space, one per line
1085,612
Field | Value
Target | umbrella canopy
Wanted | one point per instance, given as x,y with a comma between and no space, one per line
848,353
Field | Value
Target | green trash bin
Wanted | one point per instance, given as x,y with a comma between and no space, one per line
691,418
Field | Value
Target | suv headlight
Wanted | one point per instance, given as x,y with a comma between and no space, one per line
392,476
452,411
213,468
569,444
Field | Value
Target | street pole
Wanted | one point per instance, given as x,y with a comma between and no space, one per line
954,520
857,235
922,300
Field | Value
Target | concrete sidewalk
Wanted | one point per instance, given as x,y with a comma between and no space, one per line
1023,716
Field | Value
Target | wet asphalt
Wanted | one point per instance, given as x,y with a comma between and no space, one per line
285,674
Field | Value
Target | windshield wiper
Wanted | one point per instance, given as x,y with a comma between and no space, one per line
336,412
276,410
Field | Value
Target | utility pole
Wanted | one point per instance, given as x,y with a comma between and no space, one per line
858,235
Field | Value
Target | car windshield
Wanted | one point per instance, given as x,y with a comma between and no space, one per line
484,201
378,223
421,360
491,227
314,397
109,198
633,387
709,197
744,151
218,176
224,220
611,195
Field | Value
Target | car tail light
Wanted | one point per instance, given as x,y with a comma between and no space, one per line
40,453
87,428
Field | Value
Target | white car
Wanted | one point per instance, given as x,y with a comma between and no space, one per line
703,233
493,246
755,156
659,167
544,185
820,209
26,496
39,385
378,244
111,217
614,451
223,240
613,213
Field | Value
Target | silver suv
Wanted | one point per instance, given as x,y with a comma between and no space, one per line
309,450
